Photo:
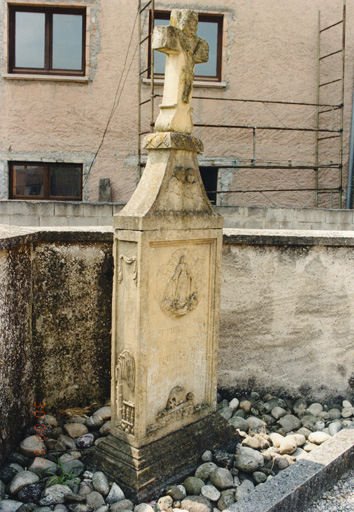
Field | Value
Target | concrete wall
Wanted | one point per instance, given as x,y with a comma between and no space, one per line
55,321
287,322
54,213
270,51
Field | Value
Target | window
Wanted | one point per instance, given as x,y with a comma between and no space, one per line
46,40
209,177
45,181
210,27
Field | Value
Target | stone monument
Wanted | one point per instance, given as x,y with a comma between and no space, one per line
167,253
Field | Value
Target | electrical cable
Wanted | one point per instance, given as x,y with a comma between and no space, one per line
117,97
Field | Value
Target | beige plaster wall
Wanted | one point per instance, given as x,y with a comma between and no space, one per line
286,311
269,53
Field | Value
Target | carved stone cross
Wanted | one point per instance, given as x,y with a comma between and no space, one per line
184,49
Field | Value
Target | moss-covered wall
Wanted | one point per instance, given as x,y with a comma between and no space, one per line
55,322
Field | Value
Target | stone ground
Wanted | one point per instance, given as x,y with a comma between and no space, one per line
340,498
49,470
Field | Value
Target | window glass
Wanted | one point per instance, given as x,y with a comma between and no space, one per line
209,31
30,40
28,180
67,41
206,30
65,181
160,58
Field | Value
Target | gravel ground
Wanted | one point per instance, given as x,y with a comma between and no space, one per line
340,498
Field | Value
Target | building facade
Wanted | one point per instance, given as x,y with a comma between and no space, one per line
275,123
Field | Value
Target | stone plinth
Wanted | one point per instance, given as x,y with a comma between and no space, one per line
167,250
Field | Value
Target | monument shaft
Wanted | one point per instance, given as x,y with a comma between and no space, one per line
167,256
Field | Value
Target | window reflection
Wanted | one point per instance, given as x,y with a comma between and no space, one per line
67,41
28,180
65,182
30,40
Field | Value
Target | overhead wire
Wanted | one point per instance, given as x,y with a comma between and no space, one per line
117,95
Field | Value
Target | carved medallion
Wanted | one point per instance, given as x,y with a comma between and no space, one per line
180,295
125,378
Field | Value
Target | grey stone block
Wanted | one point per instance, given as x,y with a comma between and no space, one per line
56,220
97,210
24,220
83,221
296,487
69,209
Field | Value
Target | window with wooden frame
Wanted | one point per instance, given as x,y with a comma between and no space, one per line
210,27
44,40
32,180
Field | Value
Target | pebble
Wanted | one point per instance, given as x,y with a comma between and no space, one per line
256,424
54,494
210,492
75,430
193,486
207,456
9,505
278,412
122,505
94,500
259,477
244,490
196,504
22,479
315,409
318,437
143,507
347,412
288,445
248,460
76,467
31,446
222,478
334,428
227,499
245,405
234,403
115,494
100,483
41,466
289,422
205,470
85,441
240,423
106,428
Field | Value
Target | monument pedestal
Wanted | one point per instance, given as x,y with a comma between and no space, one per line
144,472
167,253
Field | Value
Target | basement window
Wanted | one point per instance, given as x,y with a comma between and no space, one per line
60,182
210,27
45,40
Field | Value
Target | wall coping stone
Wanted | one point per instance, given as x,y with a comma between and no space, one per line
11,236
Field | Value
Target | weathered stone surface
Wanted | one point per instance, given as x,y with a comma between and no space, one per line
315,409
256,424
170,140
22,479
193,485
85,441
288,445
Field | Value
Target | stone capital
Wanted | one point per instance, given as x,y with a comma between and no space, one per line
173,140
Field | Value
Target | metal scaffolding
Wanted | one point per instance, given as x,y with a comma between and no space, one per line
321,132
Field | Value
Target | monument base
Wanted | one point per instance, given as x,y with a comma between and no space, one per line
144,472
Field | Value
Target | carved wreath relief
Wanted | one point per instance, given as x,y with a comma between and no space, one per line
180,295
125,378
